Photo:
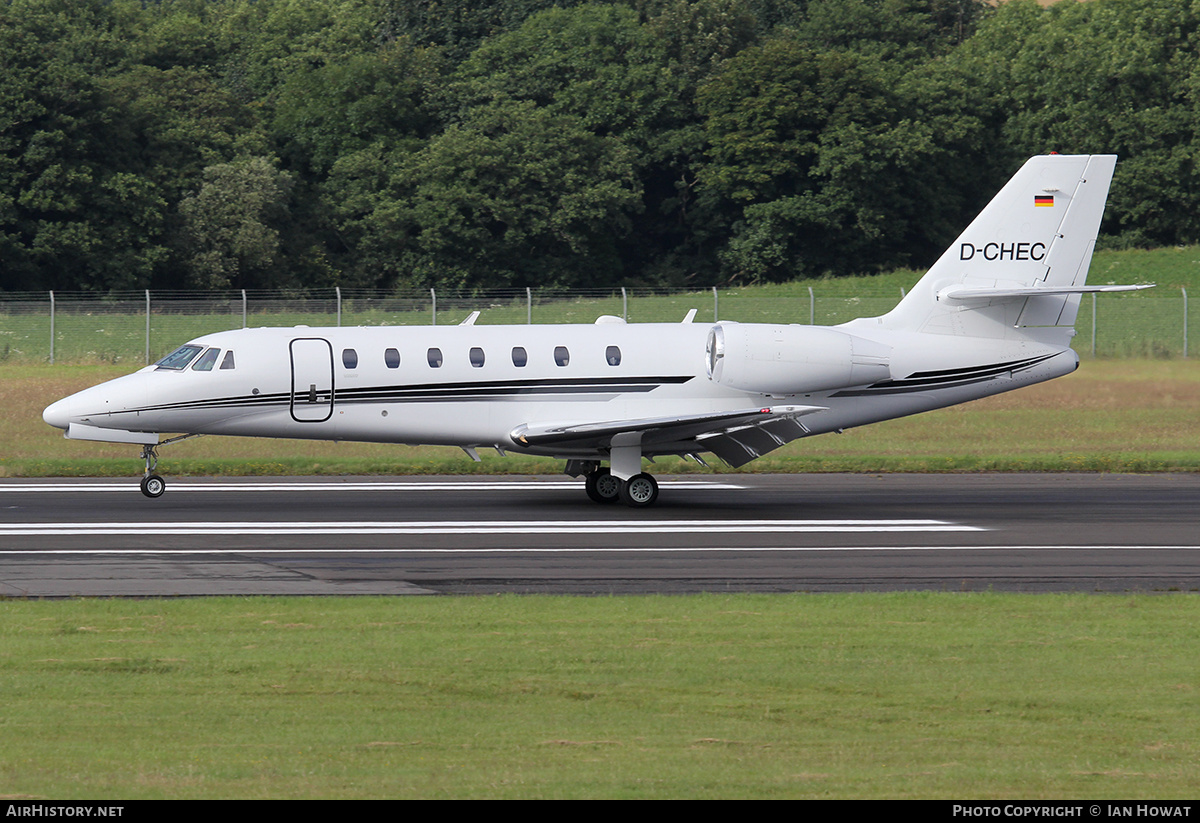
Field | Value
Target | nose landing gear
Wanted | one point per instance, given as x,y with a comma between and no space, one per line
152,484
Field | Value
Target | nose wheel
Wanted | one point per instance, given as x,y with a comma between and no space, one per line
153,485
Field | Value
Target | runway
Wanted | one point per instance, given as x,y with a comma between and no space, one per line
764,533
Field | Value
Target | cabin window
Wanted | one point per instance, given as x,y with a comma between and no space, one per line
179,358
561,356
520,358
391,358
477,357
206,361
350,358
435,358
613,355
227,363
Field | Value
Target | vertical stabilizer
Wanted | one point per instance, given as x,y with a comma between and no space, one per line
1037,234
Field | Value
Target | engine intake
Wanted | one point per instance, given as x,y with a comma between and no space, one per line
785,360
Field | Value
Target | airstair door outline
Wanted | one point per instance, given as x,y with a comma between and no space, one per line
312,380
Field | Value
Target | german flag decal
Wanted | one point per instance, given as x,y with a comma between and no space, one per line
1043,200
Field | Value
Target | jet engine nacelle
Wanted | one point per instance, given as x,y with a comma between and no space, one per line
784,360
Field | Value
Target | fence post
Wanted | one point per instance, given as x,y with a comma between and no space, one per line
1182,289
433,298
528,306
243,308
1093,324
624,305
812,307
147,327
52,328
715,317
338,291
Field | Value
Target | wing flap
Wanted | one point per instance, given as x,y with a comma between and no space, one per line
739,446
665,429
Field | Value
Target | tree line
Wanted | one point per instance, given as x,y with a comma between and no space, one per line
476,144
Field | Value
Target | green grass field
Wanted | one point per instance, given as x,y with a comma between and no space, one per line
956,696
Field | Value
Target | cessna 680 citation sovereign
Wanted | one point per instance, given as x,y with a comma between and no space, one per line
994,313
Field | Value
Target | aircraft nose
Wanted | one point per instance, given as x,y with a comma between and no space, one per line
58,414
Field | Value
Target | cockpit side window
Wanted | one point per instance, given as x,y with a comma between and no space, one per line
178,359
227,363
206,361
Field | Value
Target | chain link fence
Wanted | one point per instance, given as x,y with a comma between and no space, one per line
139,327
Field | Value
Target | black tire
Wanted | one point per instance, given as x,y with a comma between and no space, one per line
602,487
639,491
153,485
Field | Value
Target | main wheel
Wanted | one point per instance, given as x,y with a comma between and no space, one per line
602,487
639,490
153,485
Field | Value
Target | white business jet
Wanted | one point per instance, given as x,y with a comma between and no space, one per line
994,313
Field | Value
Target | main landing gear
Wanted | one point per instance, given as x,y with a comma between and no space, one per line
602,486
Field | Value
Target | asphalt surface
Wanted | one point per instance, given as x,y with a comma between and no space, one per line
764,533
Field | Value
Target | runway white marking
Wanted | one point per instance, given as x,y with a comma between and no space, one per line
353,528
578,550
416,486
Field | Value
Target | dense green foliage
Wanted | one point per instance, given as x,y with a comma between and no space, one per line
475,144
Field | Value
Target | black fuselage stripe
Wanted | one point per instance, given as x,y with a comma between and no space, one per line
990,367
948,379
431,392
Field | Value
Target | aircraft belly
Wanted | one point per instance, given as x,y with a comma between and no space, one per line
872,404
439,423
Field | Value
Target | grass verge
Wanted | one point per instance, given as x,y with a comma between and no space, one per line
890,695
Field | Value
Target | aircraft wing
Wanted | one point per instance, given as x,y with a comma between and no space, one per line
737,437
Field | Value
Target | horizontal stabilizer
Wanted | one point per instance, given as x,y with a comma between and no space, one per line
966,293
654,429
77,431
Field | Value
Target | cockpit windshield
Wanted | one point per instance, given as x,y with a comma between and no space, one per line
179,358
206,360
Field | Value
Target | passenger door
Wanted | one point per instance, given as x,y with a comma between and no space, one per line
312,380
